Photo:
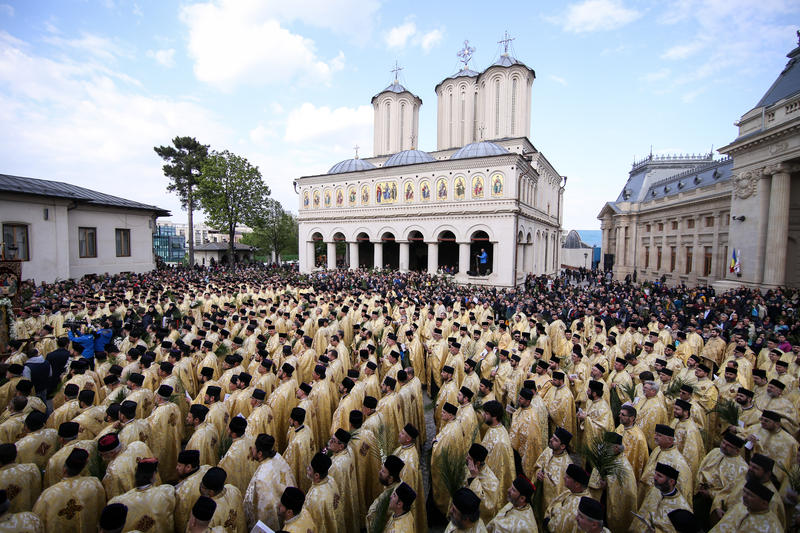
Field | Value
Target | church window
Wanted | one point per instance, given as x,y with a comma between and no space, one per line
690,223
475,118
463,116
513,105
707,254
388,114
15,238
402,124
689,259
497,107
450,124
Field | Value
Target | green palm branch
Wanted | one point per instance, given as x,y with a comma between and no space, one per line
381,513
97,467
600,456
674,388
727,411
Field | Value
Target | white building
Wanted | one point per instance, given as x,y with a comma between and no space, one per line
575,253
728,222
212,253
416,210
62,231
203,233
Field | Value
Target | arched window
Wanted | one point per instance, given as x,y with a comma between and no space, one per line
475,118
513,105
402,123
450,111
463,113
388,130
497,107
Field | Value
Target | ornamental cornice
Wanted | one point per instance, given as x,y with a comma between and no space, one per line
765,137
745,184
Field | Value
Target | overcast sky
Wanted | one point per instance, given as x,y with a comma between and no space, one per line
87,88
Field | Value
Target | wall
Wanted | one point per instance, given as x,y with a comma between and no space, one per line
106,220
47,239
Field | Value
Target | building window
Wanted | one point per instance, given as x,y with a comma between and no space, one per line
388,129
513,105
709,222
647,228
674,224
402,124
690,223
672,254
660,226
707,261
87,242
15,239
689,258
646,256
497,108
475,118
123,238
658,258
463,116
450,123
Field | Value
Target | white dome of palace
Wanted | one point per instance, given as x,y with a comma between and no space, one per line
409,157
350,165
479,149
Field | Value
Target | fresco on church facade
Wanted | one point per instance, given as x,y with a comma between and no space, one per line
327,197
477,186
351,196
497,184
460,188
425,190
409,194
365,195
386,192
306,200
339,197
316,199
441,189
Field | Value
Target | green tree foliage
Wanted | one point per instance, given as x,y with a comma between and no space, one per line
231,192
275,230
184,160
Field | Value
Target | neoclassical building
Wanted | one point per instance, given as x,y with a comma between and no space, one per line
486,187
723,222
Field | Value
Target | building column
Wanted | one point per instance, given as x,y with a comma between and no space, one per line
353,254
463,258
403,263
331,255
377,262
777,230
311,260
433,257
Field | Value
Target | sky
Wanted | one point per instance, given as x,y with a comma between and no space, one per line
88,88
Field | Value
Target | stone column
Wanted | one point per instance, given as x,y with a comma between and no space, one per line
463,258
377,262
331,255
353,255
433,257
777,230
403,266
311,260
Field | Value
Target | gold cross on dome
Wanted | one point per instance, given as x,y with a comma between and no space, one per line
396,70
505,41
356,147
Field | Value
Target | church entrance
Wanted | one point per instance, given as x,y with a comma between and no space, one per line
480,244
320,251
417,252
366,251
391,252
341,250
448,252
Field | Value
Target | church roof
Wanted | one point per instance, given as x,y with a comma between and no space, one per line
350,165
703,176
408,157
479,149
463,73
80,195
788,82
397,88
573,240
506,60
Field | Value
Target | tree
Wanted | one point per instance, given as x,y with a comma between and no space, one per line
185,159
274,230
232,193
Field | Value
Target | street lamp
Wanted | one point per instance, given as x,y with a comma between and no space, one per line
585,260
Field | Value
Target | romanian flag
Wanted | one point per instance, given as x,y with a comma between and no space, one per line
735,265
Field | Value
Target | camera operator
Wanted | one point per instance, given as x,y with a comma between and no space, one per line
84,338
103,335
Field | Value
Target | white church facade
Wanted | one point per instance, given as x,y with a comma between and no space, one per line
485,192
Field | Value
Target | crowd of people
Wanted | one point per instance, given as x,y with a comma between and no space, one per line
346,401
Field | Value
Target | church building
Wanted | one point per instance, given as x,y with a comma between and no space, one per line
486,205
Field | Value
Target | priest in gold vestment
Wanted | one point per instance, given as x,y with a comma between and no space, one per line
498,444
412,473
324,499
150,507
166,429
552,464
75,502
619,488
271,478
560,514
517,515
662,498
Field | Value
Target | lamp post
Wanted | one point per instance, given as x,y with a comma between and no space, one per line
585,260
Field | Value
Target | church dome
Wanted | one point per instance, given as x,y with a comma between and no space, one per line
408,157
479,149
350,165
